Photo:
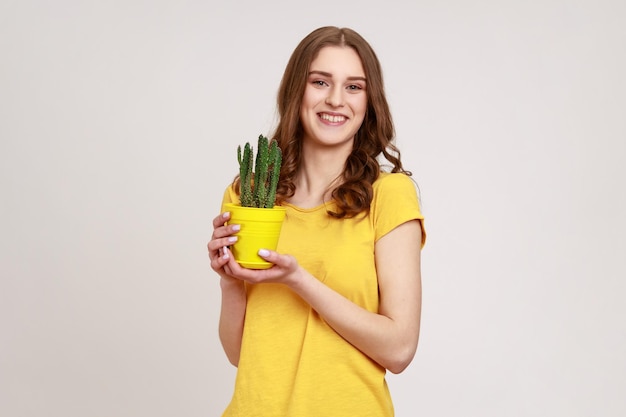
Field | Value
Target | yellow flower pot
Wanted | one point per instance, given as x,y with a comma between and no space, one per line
260,229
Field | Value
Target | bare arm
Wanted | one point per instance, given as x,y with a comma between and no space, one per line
234,301
390,336
232,315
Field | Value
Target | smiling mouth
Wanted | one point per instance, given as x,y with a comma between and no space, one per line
332,118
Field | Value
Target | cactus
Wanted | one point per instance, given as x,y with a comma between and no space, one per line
245,174
277,158
258,187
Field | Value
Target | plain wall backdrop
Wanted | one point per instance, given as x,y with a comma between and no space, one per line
119,122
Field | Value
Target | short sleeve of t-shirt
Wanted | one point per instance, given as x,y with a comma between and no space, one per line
230,196
395,202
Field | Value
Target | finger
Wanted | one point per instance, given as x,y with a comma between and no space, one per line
270,256
221,258
219,228
223,231
221,219
283,261
230,263
234,269
215,245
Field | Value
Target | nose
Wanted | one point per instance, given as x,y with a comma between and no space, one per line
335,96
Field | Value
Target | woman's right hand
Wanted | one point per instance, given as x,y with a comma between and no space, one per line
222,237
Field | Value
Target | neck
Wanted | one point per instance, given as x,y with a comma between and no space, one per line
321,171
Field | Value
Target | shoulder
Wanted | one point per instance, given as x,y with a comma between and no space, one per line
394,182
395,201
230,195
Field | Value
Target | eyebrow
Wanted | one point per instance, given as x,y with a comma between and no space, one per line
329,75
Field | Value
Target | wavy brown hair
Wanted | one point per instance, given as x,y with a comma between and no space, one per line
374,138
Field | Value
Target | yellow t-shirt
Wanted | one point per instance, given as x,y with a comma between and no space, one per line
292,363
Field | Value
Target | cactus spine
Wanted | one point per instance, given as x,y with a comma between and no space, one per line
258,188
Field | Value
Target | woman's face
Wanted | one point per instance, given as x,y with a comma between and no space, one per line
335,98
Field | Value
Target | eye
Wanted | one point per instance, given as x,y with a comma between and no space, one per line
319,83
354,87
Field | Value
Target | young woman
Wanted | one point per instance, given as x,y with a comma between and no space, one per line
315,334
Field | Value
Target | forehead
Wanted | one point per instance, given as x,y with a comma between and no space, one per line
338,60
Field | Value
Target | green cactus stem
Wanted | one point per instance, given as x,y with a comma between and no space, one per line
258,187
275,161
261,172
245,175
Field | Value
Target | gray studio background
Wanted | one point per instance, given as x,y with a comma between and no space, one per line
118,125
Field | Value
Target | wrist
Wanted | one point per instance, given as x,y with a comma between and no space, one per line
231,284
296,279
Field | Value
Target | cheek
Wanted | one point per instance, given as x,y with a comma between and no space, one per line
364,102
310,97
362,109
304,104
306,110
360,105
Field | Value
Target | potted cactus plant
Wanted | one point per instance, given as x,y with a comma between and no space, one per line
260,219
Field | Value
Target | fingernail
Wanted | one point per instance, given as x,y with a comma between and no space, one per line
263,252
226,255
226,214
232,239
236,227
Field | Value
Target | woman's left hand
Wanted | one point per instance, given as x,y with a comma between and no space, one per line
285,269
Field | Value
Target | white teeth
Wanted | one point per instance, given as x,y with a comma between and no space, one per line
333,119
